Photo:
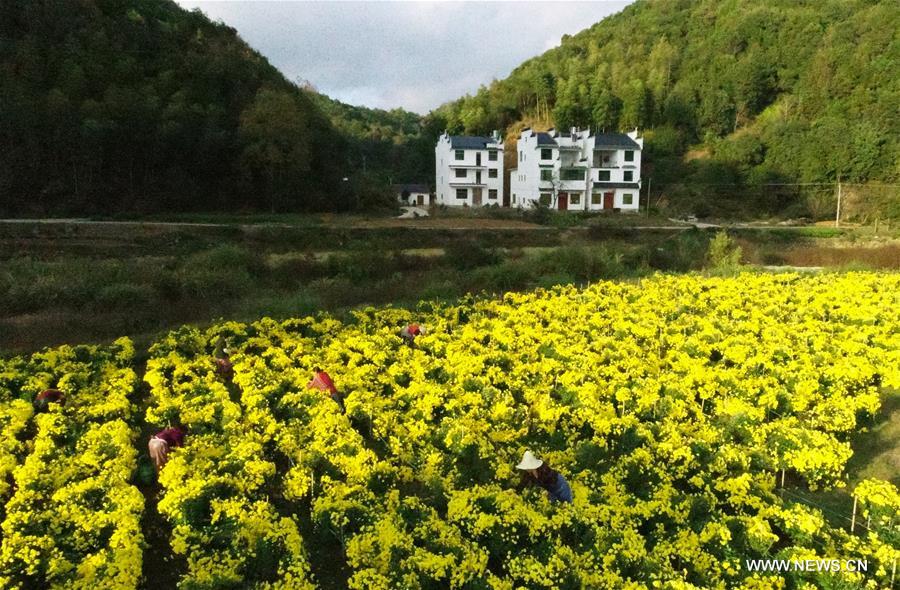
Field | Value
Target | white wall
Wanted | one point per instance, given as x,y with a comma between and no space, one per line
526,186
447,182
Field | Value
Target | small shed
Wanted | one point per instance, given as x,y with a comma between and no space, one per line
413,194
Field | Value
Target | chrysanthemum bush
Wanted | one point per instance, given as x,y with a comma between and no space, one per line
219,486
72,519
671,404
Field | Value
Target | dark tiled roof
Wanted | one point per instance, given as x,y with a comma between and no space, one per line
615,140
602,185
413,188
470,142
545,139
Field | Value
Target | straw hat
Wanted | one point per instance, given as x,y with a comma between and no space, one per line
529,461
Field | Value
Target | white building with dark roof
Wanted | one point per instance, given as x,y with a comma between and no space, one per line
578,171
413,194
469,170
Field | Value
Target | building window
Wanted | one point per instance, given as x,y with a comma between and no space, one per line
545,199
521,156
546,154
460,155
462,193
461,172
572,174
546,174
492,155
603,175
492,173
514,198
628,175
629,155
492,193
628,199
596,199
575,198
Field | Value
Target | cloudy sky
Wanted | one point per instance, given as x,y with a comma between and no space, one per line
415,55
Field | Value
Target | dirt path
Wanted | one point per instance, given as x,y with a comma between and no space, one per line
162,568
420,223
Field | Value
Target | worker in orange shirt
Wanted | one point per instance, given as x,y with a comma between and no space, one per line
323,382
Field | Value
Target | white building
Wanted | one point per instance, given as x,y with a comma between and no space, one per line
578,171
469,170
413,194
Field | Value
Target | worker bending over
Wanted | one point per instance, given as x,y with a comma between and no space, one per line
48,396
161,442
322,381
538,473
409,333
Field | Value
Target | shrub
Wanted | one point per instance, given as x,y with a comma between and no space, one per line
539,213
503,277
468,254
724,255
124,295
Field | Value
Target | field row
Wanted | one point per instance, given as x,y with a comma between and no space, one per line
671,405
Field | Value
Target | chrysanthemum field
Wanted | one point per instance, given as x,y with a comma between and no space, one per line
673,405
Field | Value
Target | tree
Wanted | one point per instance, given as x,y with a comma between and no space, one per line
276,149
637,106
605,114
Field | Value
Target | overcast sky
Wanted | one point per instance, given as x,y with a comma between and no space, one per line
415,55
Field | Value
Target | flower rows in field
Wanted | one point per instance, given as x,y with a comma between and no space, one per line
669,404
217,487
73,517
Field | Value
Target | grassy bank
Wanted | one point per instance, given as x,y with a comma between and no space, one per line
86,283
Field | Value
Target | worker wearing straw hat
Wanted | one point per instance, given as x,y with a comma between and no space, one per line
538,473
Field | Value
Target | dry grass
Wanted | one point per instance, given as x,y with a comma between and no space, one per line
876,453
447,223
886,256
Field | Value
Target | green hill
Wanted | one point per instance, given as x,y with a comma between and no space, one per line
396,145
732,95
138,105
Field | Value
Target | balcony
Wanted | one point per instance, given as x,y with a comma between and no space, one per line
466,182
605,159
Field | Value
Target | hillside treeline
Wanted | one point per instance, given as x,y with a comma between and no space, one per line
731,95
125,105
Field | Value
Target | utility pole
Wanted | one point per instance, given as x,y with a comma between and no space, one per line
649,181
837,215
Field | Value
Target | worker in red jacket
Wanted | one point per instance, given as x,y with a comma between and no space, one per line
409,333
322,381
224,368
162,441
48,396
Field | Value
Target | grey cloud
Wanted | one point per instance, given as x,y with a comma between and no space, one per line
415,55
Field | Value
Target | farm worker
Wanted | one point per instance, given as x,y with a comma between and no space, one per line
409,333
223,362
48,396
162,441
322,381
537,472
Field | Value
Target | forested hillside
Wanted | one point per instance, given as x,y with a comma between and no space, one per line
769,91
396,145
128,105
